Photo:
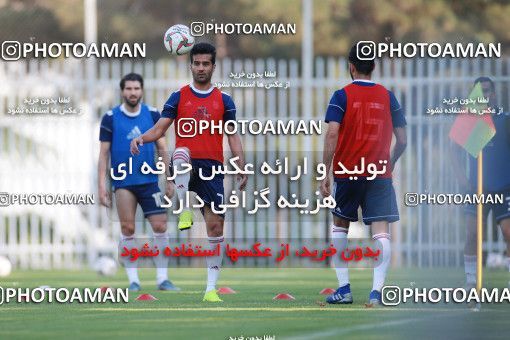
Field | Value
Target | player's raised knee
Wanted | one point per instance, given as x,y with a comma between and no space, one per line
215,230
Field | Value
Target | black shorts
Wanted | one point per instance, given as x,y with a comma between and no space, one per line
500,211
148,196
376,198
211,191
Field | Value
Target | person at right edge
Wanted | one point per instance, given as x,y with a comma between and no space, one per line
362,118
496,181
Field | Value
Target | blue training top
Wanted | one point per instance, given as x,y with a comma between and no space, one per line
496,158
119,127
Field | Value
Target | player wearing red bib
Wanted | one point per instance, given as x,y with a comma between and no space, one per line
362,117
189,106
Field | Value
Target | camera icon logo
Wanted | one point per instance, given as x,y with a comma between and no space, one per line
187,127
411,199
1,295
11,50
4,199
391,295
197,28
365,50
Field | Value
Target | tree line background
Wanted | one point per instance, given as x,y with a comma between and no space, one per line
337,23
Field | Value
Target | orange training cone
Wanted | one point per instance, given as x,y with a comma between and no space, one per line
284,296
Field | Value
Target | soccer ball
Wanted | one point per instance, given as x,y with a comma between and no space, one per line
5,266
178,40
106,266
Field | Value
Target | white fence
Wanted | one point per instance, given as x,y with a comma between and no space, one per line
59,154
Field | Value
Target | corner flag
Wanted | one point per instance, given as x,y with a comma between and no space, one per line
472,131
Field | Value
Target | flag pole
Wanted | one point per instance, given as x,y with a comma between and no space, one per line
479,223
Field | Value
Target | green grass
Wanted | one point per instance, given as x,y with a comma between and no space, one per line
251,312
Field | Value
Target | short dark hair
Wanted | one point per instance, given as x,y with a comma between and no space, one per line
131,77
362,66
483,80
203,48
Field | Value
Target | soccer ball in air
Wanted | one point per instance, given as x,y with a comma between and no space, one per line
178,40
5,266
105,266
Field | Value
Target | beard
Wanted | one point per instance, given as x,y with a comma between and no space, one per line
202,78
130,102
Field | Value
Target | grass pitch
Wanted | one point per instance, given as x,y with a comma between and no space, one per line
251,312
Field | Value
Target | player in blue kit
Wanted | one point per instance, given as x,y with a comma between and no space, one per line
362,118
496,180
118,127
